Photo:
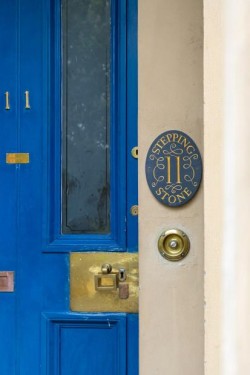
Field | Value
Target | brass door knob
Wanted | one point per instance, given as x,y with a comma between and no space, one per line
106,268
173,244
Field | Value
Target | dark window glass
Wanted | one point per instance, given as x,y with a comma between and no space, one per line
86,116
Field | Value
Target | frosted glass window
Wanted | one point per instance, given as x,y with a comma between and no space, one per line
86,116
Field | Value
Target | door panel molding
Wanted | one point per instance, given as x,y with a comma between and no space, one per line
53,240
100,347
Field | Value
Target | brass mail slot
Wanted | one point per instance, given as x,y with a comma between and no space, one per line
17,158
94,288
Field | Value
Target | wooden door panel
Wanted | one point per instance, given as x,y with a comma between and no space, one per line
9,177
89,344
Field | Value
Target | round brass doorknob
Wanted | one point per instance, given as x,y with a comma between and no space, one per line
106,268
173,244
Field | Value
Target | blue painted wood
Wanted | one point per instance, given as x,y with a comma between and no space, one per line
36,251
53,239
9,177
132,114
132,344
89,344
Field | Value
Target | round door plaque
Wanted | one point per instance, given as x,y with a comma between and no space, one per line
173,168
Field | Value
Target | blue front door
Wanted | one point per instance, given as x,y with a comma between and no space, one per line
68,123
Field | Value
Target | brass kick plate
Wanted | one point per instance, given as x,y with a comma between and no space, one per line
84,296
17,158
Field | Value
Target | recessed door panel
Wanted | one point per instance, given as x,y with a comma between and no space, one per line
86,346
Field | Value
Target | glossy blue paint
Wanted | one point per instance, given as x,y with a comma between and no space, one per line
132,344
117,240
132,136
9,178
93,344
38,331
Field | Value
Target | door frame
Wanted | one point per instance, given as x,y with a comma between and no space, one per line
170,97
123,135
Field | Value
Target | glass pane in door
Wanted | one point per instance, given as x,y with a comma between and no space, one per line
86,90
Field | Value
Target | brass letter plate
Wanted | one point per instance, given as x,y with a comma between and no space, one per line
85,268
17,158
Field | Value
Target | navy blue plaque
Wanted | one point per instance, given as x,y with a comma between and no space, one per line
173,168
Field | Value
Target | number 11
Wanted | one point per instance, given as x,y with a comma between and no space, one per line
178,170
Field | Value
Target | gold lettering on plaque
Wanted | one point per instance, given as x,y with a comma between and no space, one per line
173,168
169,169
178,170
178,181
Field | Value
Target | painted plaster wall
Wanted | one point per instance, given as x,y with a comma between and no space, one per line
235,260
170,97
227,179
213,177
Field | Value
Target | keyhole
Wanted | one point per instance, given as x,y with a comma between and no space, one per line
122,274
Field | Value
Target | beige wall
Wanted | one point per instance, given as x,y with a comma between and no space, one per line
170,97
235,321
213,178
227,180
